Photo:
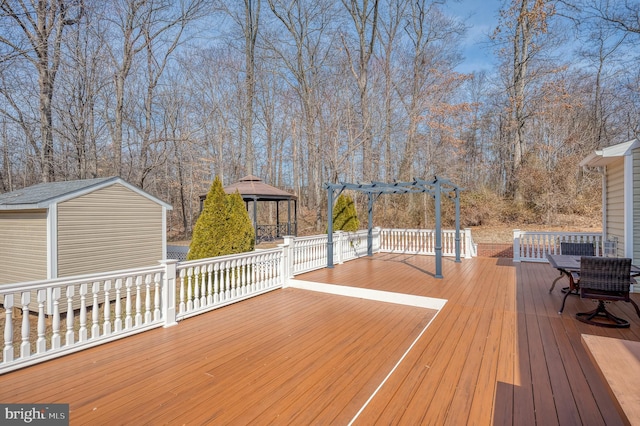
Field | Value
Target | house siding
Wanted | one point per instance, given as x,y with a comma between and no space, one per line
615,203
23,246
636,205
108,229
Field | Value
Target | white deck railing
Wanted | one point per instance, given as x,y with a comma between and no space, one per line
77,313
207,284
533,246
423,241
46,319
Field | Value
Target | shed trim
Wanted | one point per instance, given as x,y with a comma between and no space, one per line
92,185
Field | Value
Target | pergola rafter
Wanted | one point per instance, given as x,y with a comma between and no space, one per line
435,187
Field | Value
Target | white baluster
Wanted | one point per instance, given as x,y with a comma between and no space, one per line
41,341
253,265
70,336
138,301
242,278
128,315
82,333
55,338
196,287
147,299
233,278
106,325
7,353
227,281
189,290
203,286
157,313
95,311
117,323
216,283
209,284
182,304
25,345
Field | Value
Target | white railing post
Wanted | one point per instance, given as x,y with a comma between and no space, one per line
287,259
467,243
338,243
516,245
168,301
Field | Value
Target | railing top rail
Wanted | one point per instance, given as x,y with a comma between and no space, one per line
560,233
218,259
79,279
416,230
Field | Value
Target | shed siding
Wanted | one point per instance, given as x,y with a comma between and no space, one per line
636,205
23,246
615,203
109,229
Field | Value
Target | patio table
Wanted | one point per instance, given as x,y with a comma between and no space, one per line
569,265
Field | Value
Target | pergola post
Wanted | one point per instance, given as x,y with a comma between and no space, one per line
330,228
437,196
370,227
457,200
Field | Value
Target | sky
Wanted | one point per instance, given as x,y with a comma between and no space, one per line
481,17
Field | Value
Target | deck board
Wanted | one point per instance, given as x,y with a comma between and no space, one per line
496,353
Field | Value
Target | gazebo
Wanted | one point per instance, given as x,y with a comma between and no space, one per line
253,190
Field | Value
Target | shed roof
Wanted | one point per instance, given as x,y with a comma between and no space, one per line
43,195
252,187
604,156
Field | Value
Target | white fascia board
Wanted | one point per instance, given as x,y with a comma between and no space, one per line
604,156
628,206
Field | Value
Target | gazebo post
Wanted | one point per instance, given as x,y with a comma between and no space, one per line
289,217
255,218
278,219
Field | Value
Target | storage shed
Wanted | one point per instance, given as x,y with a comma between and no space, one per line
619,166
61,229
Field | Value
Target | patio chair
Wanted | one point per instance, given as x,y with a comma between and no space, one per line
605,279
574,249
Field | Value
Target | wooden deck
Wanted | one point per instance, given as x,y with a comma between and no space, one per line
497,353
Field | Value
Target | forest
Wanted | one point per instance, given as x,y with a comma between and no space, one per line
169,94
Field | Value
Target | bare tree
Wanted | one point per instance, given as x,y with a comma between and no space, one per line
364,15
139,23
522,24
77,104
38,36
306,24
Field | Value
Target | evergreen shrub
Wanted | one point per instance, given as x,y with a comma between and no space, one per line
345,217
224,226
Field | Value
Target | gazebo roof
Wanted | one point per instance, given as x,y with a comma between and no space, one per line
253,188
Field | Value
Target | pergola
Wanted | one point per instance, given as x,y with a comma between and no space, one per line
435,188
253,191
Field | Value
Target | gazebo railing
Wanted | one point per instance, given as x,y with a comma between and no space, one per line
266,232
